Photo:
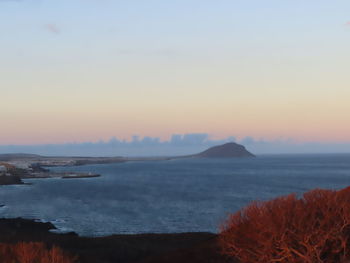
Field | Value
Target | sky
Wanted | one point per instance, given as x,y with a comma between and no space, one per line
76,71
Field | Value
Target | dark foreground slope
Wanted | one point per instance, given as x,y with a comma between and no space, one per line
228,150
145,248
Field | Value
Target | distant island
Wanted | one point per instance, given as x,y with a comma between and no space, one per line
14,167
228,150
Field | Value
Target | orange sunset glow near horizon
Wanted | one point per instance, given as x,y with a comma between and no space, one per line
87,71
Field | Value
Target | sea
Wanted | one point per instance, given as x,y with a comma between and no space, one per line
188,195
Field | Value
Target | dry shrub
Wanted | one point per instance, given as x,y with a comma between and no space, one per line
315,228
33,252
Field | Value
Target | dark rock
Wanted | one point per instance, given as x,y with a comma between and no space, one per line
10,179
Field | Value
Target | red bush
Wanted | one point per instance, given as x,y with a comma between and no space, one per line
33,253
315,228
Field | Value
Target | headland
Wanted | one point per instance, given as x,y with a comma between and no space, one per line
15,167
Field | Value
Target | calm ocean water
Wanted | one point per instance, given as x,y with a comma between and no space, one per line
168,196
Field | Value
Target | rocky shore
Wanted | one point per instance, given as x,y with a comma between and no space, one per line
142,248
14,170
9,180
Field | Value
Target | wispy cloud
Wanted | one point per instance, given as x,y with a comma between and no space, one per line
52,28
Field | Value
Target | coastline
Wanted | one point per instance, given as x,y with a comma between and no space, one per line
141,248
10,180
31,166
22,166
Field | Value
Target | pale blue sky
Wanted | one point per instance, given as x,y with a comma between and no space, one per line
108,68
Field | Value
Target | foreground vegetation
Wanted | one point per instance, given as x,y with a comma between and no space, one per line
138,248
312,229
33,252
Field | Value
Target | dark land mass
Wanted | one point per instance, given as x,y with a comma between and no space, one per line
9,180
16,156
78,161
75,176
43,161
141,248
228,150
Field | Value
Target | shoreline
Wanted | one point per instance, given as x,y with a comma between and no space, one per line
196,247
10,180
39,168
21,167
31,166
